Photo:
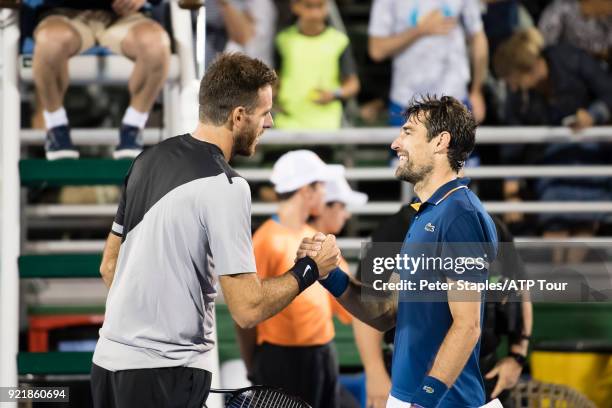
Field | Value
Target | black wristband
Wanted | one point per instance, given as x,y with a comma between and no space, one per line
521,359
305,272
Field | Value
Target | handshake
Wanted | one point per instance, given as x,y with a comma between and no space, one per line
322,249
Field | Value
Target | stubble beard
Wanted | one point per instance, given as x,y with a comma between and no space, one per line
244,142
412,174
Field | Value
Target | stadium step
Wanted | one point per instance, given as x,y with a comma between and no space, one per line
39,172
54,363
59,266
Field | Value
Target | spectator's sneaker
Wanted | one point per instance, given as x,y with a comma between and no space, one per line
58,144
130,143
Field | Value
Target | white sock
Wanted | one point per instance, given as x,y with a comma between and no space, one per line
134,118
54,119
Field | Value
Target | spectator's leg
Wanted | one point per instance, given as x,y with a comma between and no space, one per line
57,39
148,45
56,42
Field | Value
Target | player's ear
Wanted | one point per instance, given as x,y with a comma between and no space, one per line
444,139
237,117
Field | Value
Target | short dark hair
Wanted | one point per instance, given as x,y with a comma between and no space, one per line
232,80
450,115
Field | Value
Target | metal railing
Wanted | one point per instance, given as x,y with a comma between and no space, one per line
345,244
361,136
372,208
9,200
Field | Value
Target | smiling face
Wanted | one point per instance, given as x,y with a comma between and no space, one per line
252,125
415,150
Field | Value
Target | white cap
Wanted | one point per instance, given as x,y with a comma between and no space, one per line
297,169
338,189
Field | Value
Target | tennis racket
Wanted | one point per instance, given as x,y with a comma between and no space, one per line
260,396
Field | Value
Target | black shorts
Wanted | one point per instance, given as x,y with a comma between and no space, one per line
310,373
180,387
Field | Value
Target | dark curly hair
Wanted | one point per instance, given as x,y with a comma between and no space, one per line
446,114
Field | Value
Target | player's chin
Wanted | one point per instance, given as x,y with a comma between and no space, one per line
246,151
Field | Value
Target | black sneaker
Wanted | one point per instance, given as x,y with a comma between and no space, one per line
58,144
130,143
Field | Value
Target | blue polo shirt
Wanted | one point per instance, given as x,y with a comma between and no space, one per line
453,214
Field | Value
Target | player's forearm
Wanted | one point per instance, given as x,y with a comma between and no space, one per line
479,56
368,342
381,48
455,351
377,313
270,297
522,347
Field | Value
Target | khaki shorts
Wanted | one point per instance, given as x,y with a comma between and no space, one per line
97,26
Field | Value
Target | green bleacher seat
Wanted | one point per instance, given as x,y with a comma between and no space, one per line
59,266
38,172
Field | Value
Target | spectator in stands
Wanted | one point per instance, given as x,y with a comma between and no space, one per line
585,24
71,27
263,15
226,20
293,350
427,41
553,86
316,70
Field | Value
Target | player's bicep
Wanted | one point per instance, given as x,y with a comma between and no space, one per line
470,250
238,292
235,286
118,222
464,303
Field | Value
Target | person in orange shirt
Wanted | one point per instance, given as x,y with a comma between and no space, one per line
293,350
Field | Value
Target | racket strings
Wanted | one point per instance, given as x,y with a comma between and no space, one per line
264,399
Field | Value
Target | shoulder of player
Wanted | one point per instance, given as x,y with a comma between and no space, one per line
468,219
197,158
233,186
458,212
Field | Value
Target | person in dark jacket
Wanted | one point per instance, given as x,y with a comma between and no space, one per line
559,85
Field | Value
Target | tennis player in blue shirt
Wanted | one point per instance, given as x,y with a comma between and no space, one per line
437,341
